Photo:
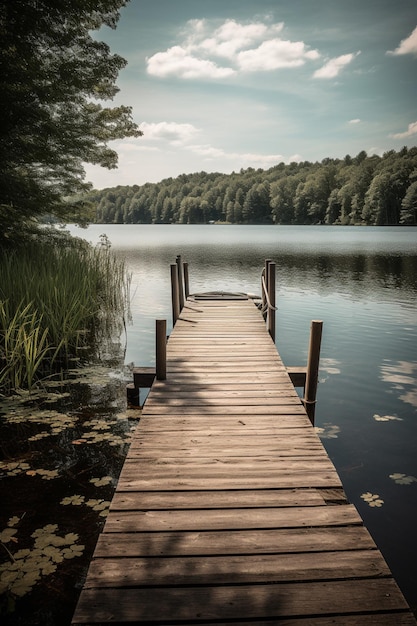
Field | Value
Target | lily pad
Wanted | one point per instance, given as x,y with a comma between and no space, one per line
100,482
402,479
28,566
372,499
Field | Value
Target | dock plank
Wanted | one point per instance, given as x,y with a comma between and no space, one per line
228,509
201,604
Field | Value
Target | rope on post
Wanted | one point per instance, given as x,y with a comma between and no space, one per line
268,304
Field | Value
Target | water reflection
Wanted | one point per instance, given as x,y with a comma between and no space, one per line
403,376
376,276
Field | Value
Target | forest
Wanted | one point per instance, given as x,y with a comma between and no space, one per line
368,190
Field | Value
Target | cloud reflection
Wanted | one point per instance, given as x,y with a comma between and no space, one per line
403,376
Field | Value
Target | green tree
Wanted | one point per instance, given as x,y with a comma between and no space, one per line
282,199
53,73
256,207
190,210
409,204
333,207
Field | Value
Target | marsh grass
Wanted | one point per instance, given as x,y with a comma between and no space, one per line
60,299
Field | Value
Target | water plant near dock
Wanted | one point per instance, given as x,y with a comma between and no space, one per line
60,299
55,493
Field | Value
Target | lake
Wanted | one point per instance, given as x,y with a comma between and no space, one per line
362,282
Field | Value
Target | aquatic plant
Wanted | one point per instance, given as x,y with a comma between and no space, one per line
60,299
24,344
328,431
27,566
40,472
387,418
403,479
372,499
96,504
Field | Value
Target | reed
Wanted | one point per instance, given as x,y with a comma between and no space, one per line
60,298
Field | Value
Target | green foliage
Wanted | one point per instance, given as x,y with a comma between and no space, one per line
361,190
409,204
24,344
58,296
26,567
53,72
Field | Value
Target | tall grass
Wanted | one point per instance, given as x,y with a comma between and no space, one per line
58,296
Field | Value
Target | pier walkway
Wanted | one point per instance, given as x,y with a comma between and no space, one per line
228,509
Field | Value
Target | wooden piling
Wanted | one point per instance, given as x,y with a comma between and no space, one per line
312,375
180,282
161,350
186,280
271,297
175,293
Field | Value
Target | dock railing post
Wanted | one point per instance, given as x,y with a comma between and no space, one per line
161,349
175,294
312,375
180,282
186,280
271,294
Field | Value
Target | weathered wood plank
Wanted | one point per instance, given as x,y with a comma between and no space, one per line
218,570
212,467
199,604
217,519
376,619
226,439
145,500
290,408
255,541
244,393
225,401
287,481
233,463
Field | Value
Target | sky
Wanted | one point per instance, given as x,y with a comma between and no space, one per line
221,85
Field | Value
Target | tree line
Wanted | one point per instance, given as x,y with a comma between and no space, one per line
371,190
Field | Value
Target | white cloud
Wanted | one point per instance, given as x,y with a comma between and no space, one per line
207,151
169,131
407,46
176,61
133,146
180,135
247,47
231,37
334,66
411,130
355,121
275,54
241,158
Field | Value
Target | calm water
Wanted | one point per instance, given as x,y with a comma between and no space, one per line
362,282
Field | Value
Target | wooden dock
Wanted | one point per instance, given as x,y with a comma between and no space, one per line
228,509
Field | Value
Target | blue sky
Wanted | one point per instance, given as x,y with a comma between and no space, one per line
220,85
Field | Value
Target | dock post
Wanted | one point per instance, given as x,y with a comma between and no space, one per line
186,280
271,294
180,282
175,294
161,349
312,375
264,289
